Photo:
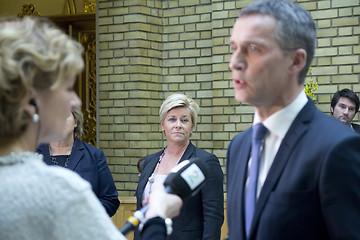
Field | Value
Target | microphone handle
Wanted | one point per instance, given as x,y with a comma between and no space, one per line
134,220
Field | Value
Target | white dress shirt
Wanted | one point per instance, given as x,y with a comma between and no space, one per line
278,125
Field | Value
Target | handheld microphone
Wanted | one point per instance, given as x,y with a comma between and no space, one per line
184,180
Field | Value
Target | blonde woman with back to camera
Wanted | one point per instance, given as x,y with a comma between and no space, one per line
201,216
38,66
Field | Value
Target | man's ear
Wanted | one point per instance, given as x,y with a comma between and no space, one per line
332,110
298,61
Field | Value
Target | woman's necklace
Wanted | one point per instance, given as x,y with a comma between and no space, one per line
152,177
55,161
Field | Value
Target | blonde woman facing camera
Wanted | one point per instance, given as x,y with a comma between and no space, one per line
201,216
38,66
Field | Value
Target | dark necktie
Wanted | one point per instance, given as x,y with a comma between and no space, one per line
259,131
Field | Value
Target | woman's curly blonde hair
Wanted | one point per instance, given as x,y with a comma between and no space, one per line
34,54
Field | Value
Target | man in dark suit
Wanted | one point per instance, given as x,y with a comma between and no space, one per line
344,106
308,167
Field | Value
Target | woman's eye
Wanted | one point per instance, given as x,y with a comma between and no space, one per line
171,119
185,120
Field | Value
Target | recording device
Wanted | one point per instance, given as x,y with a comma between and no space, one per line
184,180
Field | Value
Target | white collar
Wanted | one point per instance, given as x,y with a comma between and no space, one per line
280,121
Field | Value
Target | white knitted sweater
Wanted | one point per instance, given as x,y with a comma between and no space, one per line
45,202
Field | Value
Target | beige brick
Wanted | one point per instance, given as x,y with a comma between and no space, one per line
345,60
345,12
326,33
309,5
321,52
344,3
356,10
220,15
174,29
345,79
185,3
323,4
346,21
174,12
189,19
323,23
324,61
356,69
346,31
190,53
105,4
345,69
345,41
324,70
118,11
345,50
324,14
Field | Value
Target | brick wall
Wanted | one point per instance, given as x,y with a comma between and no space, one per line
149,49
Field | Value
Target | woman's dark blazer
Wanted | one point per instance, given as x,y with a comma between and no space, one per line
90,163
201,216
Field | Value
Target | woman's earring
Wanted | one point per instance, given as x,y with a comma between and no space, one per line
35,117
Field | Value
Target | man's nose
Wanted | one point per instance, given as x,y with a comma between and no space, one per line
237,62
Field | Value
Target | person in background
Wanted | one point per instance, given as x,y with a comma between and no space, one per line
344,106
38,67
140,165
84,159
295,173
201,216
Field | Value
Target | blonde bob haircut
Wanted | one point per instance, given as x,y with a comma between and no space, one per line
34,54
179,100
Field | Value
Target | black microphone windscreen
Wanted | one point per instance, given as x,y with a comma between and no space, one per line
187,178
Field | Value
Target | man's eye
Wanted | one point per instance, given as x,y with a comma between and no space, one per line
253,48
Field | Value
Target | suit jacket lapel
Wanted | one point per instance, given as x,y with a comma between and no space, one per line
76,154
146,173
188,152
243,156
297,130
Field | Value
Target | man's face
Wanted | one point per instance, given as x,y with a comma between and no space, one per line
260,70
344,110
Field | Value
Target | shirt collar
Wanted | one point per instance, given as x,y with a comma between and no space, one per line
280,121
